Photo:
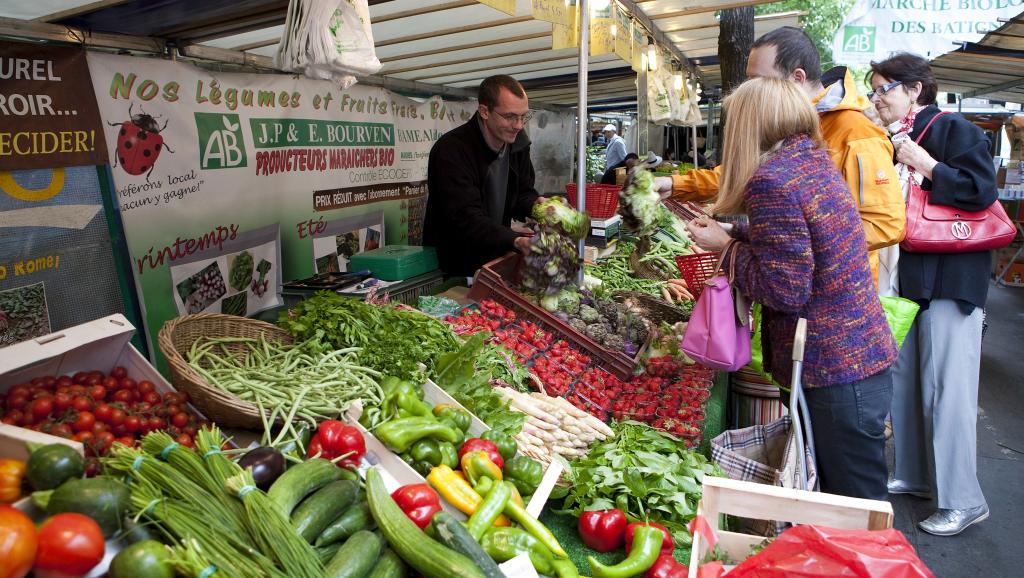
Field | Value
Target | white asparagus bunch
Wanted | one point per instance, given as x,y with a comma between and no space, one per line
554,426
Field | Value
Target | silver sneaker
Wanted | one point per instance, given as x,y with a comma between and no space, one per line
901,487
952,522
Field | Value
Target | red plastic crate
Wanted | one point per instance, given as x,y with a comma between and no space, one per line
602,200
496,280
696,269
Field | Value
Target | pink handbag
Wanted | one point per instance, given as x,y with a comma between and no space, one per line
718,334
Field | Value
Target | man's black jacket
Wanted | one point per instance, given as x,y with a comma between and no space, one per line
457,222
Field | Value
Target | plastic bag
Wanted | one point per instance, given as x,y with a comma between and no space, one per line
328,39
900,314
810,551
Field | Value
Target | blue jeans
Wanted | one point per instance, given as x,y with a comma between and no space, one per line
848,421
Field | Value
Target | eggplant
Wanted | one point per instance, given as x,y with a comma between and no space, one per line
267,464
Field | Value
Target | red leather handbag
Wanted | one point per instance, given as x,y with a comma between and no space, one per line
935,228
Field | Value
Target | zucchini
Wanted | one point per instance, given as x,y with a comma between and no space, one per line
426,555
317,511
103,499
326,553
356,557
300,480
453,534
390,565
356,518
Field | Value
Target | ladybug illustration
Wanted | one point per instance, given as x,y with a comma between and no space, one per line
139,143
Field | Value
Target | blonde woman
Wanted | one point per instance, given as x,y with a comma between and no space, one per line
803,254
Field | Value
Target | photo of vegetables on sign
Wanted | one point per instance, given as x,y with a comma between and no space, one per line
339,240
23,314
241,280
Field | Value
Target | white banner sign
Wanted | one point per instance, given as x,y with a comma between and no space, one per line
875,29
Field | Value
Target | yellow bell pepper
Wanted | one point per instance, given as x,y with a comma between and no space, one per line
457,492
11,474
477,465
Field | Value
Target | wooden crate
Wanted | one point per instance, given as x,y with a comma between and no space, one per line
764,502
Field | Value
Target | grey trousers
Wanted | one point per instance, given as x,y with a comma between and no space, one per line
935,405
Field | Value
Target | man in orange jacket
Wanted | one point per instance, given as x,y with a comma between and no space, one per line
858,147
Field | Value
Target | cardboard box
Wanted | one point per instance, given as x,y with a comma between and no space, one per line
1014,275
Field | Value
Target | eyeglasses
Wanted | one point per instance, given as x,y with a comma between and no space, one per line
884,89
512,117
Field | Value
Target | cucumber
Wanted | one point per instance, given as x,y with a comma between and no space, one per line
300,480
103,499
453,534
390,565
356,557
317,511
356,518
426,555
326,553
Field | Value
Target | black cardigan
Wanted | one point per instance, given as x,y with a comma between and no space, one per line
457,220
964,178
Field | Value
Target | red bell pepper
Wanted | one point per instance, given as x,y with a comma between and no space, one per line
419,502
667,567
335,439
603,530
666,545
486,446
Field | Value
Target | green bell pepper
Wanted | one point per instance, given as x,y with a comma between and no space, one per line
411,406
506,444
429,453
399,435
525,473
458,431
460,417
506,543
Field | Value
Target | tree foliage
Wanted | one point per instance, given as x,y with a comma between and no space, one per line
822,19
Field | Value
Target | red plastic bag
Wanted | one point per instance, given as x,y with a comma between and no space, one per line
816,551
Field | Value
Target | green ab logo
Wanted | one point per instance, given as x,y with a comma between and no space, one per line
859,39
221,145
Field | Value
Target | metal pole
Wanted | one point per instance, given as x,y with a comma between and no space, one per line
693,143
582,120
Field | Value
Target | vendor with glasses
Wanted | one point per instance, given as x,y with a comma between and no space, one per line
480,177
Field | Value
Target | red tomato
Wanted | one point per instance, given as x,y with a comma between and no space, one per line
127,383
132,423
98,392
146,386
119,372
79,377
110,383
104,440
83,436
69,545
123,396
99,427
93,379
7,419
18,542
117,417
84,422
127,440
62,401
17,400
41,408
155,423
179,420
103,412
82,403
64,381
62,430
151,397
185,440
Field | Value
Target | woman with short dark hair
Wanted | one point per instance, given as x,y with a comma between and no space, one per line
935,384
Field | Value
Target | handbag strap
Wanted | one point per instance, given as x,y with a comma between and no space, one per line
721,262
929,125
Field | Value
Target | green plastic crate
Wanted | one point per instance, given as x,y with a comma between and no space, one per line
396,262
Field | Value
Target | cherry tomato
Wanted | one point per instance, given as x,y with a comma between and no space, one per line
172,397
62,430
179,420
133,423
79,377
64,381
98,392
7,419
100,427
117,417
104,440
18,542
151,397
84,422
126,440
81,403
127,383
41,408
62,401
155,423
146,386
123,396
69,545
83,436
17,401
142,406
183,397
119,372
93,379
185,440
103,412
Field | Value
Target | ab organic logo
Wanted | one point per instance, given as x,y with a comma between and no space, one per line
859,39
221,144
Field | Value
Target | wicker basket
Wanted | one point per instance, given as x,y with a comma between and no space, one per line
175,340
648,269
652,308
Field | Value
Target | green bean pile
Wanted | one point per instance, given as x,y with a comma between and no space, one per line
286,382
616,274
